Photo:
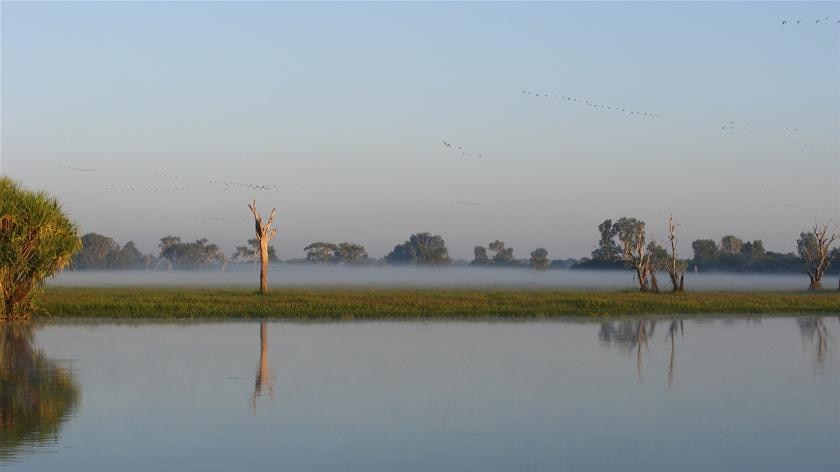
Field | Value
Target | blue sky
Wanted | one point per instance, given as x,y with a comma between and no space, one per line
344,107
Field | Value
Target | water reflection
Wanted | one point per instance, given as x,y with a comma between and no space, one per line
264,378
814,331
633,336
37,394
676,325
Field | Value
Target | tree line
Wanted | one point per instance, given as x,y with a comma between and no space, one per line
729,254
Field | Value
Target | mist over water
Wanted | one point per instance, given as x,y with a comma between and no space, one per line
301,276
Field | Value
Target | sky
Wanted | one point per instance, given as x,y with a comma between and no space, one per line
341,111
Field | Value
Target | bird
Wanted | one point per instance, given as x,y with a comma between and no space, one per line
784,22
446,144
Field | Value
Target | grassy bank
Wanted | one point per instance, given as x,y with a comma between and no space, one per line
336,304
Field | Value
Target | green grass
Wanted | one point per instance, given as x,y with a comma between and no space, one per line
347,304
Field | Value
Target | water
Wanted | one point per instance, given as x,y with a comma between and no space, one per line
290,275
656,394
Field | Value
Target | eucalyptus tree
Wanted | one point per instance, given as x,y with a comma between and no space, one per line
97,252
36,241
633,250
539,259
480,258
730,244
350,253
706,252
321,252
420,249
814,248
502,256
607,250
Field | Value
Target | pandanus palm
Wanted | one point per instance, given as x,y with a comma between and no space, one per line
36,241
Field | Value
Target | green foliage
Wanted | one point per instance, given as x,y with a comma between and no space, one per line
481,258
607,255
731,245
350,253
194,255
539,259
36,241
101,252
751,257
420,249
607,250
336,304
502,257
320,252
343,253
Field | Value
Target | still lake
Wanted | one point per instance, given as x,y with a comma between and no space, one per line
697,394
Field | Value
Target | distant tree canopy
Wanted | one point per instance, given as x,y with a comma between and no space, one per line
730,254
420,249
195,255
501,256
101,252
343,253
320,252
351,253
735,255
539,259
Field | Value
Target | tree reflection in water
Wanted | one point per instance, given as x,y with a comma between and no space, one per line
676,325
814,330
629,335
633,336
265,377
36,393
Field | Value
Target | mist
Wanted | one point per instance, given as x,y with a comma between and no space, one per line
309,276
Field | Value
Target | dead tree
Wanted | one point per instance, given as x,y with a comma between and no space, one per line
264,234
676,268
813,248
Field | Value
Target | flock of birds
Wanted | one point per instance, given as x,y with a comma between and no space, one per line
824,20
86,170
233,185
155,188
459,148
732,126
593,105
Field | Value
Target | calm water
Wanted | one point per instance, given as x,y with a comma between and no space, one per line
702,394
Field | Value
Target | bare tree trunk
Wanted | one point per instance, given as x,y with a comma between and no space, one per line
263,266
675,268
654,284
264,234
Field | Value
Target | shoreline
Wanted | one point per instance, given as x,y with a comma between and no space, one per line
332,303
